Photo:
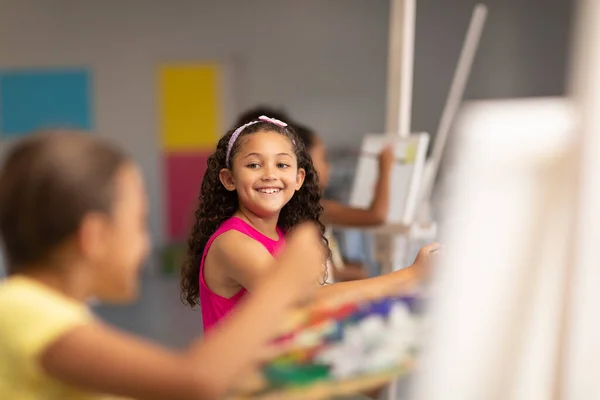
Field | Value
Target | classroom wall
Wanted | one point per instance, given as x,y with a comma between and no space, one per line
282,52
523,52
324,60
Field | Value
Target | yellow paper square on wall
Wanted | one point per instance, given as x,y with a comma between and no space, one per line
189,106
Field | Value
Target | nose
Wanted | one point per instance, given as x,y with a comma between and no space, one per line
269,173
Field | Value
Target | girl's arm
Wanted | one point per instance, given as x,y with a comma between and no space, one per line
98,358
380,286
336,213
245,261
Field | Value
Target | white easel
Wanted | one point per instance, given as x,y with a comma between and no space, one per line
579,363
527,326
400,66
454,99
393,242
507,219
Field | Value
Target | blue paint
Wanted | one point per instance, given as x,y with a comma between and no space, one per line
336,334
412,303
48,98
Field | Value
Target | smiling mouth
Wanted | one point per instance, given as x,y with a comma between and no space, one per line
269,190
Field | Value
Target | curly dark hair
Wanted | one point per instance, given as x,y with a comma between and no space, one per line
216,204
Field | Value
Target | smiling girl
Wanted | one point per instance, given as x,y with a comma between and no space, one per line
259,184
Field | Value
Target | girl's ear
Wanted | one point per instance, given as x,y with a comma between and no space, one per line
226,178
300,178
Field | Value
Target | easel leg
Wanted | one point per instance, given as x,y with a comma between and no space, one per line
392,391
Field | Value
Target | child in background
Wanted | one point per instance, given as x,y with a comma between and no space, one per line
73,215
336,213
260,183
339,214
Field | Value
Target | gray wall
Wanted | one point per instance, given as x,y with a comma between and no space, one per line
323,60
523,52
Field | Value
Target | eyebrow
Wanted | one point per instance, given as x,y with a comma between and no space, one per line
260,155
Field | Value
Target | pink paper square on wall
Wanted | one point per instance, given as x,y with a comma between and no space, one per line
184,171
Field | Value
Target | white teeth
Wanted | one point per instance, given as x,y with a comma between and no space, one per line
269,191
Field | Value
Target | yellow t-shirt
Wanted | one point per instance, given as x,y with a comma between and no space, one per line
32,316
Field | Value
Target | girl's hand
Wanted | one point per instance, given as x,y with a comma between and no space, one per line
302,262
386,159
425,259
409,279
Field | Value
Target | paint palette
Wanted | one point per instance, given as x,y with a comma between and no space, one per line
340,349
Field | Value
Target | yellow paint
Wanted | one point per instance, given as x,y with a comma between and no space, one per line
411,153
189,106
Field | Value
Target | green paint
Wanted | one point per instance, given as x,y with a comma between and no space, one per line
296,375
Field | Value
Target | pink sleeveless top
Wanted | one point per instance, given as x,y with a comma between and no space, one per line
215,307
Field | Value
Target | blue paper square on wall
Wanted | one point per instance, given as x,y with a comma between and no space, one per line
40,99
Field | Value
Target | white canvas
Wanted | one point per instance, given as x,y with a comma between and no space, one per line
499,291
405,178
